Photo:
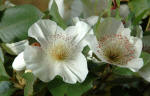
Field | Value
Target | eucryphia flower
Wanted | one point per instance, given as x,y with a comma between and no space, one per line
59,53
114,45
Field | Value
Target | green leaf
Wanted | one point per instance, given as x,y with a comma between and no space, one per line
122,71
6,89
1,56
16,21
146,57
56,16
3,72
140,17
139,6
118,2
29,78
58,88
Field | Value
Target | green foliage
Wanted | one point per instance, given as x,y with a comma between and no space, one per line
146,57
122,71
6,88
56,16
29,79
3,74
58,88
140,8
16,21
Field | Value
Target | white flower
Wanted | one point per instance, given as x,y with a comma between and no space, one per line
114,45
60,52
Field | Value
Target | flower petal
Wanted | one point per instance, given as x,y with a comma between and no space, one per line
91,20
125,31
60,5
135,64
17,47
94,46
40,65
110,26
76,70
82,30
42,29
138,47
19,63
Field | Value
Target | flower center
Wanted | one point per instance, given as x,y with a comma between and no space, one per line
116,49
60,51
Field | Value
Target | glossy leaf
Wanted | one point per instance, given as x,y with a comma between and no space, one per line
58,88
16,21
122,71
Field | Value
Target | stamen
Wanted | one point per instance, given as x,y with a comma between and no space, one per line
116,49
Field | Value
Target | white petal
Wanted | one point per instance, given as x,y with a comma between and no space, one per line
42,29
75,70
19,63
135,64
75,20
125,31
93,44
110,26
91,20
138,47
40,65
60,5
17,47
82,30
78,32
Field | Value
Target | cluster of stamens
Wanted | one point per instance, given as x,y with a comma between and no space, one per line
116,49
61,48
